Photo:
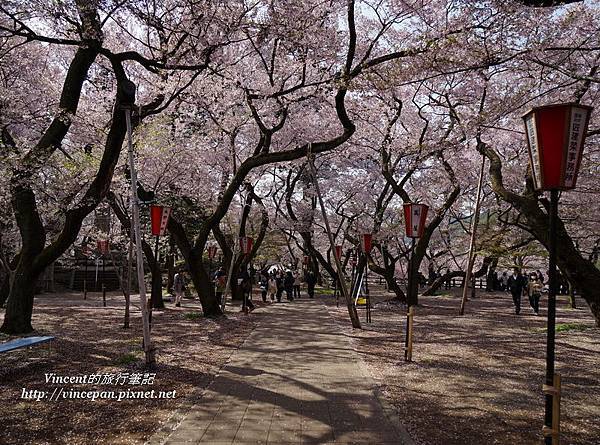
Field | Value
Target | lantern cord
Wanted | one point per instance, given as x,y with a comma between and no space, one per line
340,272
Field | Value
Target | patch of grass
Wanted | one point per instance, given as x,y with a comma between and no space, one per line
324,291
566,327
192,315
126,359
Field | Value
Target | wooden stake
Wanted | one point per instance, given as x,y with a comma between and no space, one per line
474,223
553,391
409,329
338,265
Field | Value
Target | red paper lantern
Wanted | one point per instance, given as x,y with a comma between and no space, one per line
246,243
103,246
366,242
414,219
306,259
338,252
555,137
159,216
212,251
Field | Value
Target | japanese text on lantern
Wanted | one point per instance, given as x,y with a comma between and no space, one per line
578,116
416,220
533,145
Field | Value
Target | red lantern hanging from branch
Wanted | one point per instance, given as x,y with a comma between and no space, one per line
306,259
366,242
338,252
555,137
103,246
246,243
159,216
212,251
415,216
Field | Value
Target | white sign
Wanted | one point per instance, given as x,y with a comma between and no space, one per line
530,125
574,143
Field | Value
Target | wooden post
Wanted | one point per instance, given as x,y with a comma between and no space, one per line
474,223
103,283
85,267
409,330
338,265
149,349
554,391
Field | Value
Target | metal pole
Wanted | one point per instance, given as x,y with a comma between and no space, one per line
551,310
135,210
409,296
474,223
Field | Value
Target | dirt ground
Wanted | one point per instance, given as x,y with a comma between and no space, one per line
477,379
90,339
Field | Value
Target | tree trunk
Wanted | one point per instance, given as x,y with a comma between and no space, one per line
19,306
210,305
4,289
572,302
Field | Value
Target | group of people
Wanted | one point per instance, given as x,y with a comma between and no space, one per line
275,283
271,284
519,285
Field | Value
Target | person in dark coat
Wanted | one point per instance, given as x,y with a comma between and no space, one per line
311,280
264,285
516,285
280,287
246,285
288,284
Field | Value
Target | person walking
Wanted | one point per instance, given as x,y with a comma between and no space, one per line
297,282
280,286
272,286
264,284
220,281
246,285
540,276
534,291
516,285
288,284
504,282
311,280
178,287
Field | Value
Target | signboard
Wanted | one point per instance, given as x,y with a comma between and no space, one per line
366,242
246,243
159,216
415,216
555,138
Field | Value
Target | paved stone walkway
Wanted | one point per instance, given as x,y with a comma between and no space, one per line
295,380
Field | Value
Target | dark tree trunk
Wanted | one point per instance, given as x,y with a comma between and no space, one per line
19,306
4,289
572,302
199,276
